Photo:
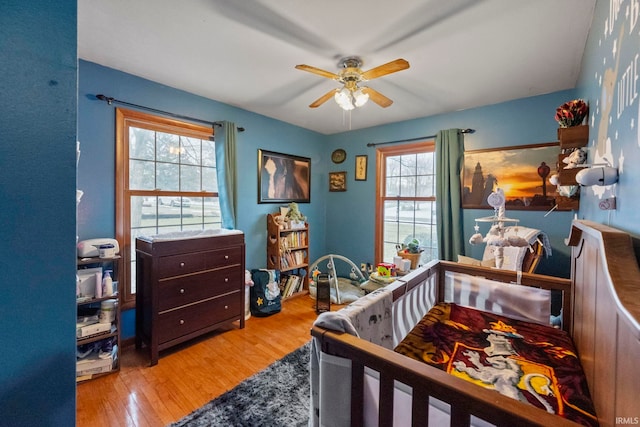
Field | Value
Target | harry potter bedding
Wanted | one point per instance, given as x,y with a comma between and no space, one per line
533,363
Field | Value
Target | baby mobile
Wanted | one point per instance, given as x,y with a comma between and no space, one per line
495,236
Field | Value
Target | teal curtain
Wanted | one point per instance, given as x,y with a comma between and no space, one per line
227,174
449,157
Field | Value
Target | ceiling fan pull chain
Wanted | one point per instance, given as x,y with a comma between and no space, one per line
346,117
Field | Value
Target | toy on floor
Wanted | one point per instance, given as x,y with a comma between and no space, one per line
343,290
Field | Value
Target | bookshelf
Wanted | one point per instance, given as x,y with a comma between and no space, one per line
288,252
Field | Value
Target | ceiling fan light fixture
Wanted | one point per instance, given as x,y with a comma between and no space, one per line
360,98
344,100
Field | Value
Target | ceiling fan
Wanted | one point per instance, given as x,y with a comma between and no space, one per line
353,95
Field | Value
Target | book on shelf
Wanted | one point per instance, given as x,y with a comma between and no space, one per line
287,260
291,259
300,284
283,283
296,239
295,285
292,285
287,289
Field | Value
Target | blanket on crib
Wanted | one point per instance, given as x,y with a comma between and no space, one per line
533,363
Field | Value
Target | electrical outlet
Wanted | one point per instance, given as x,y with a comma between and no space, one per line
608,204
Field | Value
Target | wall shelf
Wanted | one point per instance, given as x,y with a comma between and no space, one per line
573,137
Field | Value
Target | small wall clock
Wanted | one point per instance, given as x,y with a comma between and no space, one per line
338,156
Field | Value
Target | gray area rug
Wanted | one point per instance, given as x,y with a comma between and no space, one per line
277,396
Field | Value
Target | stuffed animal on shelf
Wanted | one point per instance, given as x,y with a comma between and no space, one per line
576,158
282,222
563,190
294,214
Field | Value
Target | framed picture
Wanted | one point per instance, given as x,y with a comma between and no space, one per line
337,181
361,167
283,178
522,172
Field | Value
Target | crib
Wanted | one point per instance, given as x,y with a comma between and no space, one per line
373,385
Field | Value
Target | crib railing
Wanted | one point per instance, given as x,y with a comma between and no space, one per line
413,295
463,398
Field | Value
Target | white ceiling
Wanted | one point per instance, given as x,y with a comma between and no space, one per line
463,53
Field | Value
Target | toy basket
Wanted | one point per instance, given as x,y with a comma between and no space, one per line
414,258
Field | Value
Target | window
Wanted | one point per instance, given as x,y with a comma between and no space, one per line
406,202
165,181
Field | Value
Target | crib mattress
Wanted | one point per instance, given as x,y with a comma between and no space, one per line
533,363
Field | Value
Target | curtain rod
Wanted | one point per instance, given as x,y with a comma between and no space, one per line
373,144
109,100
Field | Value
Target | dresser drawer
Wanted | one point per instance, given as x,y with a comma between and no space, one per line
176,265
177,323
224,257
178,291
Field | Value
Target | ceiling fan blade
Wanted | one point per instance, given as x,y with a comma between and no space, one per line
388,68
377,97
324,98
317,71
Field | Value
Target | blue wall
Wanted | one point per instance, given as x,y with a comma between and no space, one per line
610,81
38,215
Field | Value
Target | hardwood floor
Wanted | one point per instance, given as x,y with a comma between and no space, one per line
191,375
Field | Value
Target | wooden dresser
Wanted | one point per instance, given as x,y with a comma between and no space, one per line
187,287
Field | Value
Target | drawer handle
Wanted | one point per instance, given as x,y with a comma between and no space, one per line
226,307
181,322
226,279
182,290
181,264
226,257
